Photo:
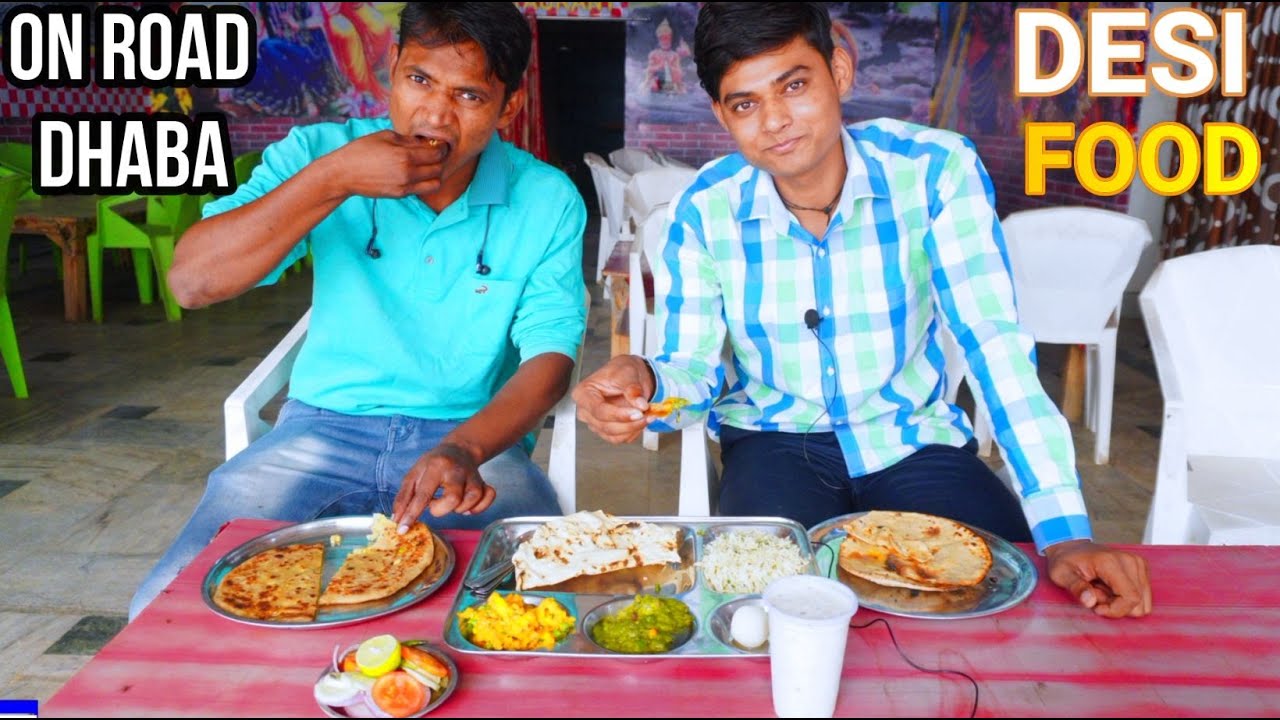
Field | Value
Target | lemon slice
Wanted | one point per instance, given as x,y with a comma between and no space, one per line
378,655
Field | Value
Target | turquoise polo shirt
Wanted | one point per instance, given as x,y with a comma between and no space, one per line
419,331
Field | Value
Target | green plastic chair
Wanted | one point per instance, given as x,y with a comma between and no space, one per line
17,156
152,243
12,186
242,167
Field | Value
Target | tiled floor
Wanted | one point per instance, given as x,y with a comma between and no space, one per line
100,467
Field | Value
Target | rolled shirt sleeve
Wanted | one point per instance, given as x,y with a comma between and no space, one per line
552,314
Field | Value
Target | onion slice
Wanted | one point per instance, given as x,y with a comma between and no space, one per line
337,690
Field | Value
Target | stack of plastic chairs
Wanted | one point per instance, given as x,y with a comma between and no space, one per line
610,219
633,160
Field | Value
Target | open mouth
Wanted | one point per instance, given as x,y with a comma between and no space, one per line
439,143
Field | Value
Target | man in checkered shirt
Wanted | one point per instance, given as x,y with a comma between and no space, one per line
829,258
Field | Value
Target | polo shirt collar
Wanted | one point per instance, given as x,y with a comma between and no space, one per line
491,183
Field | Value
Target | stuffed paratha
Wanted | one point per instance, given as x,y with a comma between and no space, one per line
280,584
913,550
389,563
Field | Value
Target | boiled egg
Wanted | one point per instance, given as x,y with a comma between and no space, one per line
749,626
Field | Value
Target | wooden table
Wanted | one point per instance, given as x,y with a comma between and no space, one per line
1211,649
618,268
67,221
1073,384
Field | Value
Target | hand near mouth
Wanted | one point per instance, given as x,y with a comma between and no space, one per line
387,164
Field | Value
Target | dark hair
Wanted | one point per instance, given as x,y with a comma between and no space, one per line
729,32
497,27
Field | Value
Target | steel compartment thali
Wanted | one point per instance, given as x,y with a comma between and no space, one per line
353,532
1010,580
585,597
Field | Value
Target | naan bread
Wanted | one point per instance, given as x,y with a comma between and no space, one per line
388,564
912,550
279,584
590,543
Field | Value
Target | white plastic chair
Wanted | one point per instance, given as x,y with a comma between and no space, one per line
244,423
697,468
667,161
614,182
654,187
1070,268
1210,319
608,239
609,185
632,160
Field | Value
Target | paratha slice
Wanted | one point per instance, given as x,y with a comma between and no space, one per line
389,563
281,584
913,550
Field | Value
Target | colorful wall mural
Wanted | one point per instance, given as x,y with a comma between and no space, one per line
330,59
894,44
975,85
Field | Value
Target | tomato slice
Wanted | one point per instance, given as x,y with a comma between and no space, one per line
398,694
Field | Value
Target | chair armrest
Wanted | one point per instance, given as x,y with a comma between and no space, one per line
637,304
1169,519
242,406
561,469
695,472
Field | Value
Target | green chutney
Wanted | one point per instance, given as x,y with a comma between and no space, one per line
650,624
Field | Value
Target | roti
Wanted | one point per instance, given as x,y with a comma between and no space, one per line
913,550
389,563
280,584
590,543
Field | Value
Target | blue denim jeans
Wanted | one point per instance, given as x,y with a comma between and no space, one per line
318,463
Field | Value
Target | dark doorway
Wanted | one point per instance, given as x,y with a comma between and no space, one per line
583,80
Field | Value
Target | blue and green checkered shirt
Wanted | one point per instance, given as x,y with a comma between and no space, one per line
914,242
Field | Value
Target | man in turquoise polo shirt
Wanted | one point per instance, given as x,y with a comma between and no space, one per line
448,300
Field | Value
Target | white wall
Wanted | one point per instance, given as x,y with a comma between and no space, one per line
1157,107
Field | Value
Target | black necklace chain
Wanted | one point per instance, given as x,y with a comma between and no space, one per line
826,210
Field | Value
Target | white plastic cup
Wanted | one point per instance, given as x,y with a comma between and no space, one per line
808,626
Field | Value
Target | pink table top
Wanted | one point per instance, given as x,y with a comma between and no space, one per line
1211,648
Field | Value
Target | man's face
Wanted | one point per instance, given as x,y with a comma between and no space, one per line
783,107
447,93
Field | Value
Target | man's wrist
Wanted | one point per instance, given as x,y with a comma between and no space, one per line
1058,548
470,450
648,378
327,173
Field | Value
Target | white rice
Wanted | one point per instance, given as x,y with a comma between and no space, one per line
747,561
